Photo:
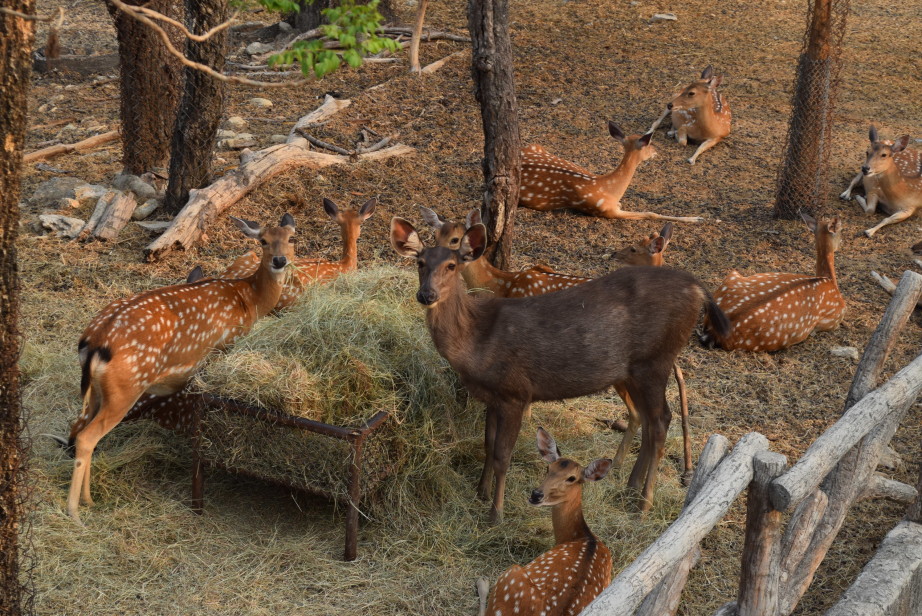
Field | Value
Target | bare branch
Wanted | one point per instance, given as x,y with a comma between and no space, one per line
199,38
28,17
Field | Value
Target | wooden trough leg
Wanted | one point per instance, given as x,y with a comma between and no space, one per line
355,495
198,464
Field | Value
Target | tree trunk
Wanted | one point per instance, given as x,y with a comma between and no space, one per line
150,87
201,107
309,16
495,90
16,39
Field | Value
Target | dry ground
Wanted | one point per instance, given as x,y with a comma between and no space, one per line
258,550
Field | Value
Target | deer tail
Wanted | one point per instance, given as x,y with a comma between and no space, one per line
483,590
90,359
716,323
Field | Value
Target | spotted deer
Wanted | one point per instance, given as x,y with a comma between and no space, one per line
550,183
619,330
566,578
700,113
305,271
892,178
151,343
769,312
481,274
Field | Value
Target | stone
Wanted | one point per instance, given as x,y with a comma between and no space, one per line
49,192
235,123
141,189
225,134
845,351
256,48
88,192
278,138
157,226
664,17
237,143
262,103
66,204
62,226
145,209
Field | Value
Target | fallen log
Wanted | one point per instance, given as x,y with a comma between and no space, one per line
113,211
65,148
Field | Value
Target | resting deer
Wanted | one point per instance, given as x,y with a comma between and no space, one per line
769,312
621,330
152,342
699,113
550,183
481,274
306,271
566,578
892,177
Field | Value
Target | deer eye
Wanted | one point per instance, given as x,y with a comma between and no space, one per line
291,240
883,156
263,242
571,479
633,249
690,94
451,267
420,264
455,240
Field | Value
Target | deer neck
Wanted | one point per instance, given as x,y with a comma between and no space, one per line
350,260
568,520
481,274
825,264
615,184
266,290
450,322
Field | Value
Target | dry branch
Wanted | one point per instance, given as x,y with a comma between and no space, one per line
330,107
113,211
884,487
431,68
731,477
417,32
888,285
65,148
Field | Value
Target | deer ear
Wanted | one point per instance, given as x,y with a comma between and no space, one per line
473,243
666,232
872,134
900,144
430,218
644,141
195,275
287,221
658,245
615,131
809,220
547,446
367,209
597,469
330,208
708,72
473,218
405,239
249,228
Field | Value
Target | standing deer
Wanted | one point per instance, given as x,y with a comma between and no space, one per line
306,271
892,177
566,578
699,113
773,311
152,342
623,329
550,183
481,274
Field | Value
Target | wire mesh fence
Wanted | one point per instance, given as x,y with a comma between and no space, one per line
803,177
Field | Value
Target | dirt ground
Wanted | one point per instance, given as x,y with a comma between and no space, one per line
579,63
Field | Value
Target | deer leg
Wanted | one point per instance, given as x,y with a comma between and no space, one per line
687,470
660,427
489,438
628,215
704,147
847,195
632,425
901,215
508,423
681,135
650,398
868,203
659,120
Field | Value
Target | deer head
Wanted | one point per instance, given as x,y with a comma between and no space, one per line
698,93
647,251
879,158
565,477
633,143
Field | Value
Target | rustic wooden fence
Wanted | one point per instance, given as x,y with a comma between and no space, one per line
779,561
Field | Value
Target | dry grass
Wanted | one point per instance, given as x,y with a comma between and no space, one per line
260,550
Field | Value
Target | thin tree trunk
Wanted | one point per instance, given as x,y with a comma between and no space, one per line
16,40
150,81
495,90
200,110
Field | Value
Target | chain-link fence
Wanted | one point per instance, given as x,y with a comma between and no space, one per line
803,177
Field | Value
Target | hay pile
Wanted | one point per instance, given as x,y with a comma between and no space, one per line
344,352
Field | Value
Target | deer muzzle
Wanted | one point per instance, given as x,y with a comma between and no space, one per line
279,263
866,170
536,497
427,297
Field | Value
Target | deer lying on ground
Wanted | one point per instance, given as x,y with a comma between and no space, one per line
308,270
699,113
769,312
566,578
481,274
549,183
892,177
151,343
623,329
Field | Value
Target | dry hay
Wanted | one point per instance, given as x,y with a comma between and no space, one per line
345,351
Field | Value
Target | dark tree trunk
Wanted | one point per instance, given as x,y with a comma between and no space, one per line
202,105
309,16
150,86
495,90
16,39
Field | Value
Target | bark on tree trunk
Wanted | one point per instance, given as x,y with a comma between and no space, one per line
16,39
150,81
200,110
495,90
309,16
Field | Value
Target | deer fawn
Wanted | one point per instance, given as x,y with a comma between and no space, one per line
622,329
550,183
648,250
699,113
773,311
304,270
152,342
566,578
892,177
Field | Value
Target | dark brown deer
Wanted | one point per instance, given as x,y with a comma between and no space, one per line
625,329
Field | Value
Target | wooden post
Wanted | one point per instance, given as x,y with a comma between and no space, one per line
760,576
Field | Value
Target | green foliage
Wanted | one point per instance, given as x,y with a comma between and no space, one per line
354,26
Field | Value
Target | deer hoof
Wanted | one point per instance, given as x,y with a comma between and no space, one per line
868,233
846,196
496,517
687,477
691,161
